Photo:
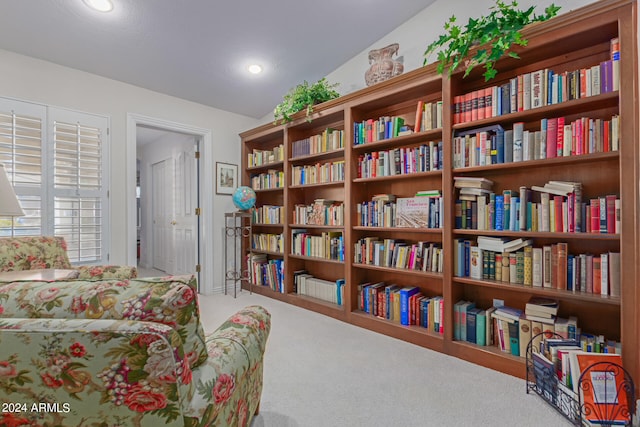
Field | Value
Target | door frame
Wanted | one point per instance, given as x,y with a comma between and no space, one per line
206,198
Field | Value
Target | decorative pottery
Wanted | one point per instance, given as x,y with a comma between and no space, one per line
383,66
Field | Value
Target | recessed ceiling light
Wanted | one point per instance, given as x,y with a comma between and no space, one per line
100,5
254,69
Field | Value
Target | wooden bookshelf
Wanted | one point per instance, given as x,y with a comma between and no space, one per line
575,40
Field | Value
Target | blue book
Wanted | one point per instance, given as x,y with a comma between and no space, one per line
405,294
500,146
570,273
339,287
499,213
472,324
481,328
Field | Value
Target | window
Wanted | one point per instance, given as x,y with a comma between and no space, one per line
56,159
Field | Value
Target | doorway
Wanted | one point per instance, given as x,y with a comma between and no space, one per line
167,198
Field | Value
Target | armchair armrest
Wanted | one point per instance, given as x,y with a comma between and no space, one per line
229,385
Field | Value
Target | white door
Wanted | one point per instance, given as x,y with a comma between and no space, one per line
185,221
162,212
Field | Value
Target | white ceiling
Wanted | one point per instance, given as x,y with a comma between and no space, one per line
199,49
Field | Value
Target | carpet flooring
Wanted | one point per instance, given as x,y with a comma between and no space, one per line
320,372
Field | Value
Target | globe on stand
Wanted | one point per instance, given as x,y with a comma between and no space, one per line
244,198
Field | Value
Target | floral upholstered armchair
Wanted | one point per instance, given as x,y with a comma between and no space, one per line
125,353
44,252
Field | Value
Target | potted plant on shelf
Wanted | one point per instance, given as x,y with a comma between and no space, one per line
304,96
494,35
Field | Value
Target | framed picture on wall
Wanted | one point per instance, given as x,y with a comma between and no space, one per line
226,178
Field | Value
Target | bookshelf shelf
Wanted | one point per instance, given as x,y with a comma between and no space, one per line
404,176
574,41
399,141
407,271
333,154
262,224
544,163
316,259
554,293
270,190
274,165
540,235
398,230
321,184
260,251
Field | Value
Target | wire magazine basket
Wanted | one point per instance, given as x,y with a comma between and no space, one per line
604,394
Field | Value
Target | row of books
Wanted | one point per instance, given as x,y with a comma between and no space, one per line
328,245
553,213
428,116
554,138
268,214
550,266
318,173
328,140
271,179
560,208
264,157
320,212
420,256
267,242
425,210
266,272
539,88
401,161
372,130
326,290
512,329
405,305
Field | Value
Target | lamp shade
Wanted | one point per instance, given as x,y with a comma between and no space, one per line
9,205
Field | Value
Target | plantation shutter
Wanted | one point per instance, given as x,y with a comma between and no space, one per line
21,142
79,191
56,160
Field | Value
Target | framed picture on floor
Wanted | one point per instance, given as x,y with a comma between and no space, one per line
226,178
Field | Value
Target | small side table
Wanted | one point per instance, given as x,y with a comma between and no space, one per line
237,227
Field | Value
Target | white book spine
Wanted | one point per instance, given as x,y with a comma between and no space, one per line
604,274
537,267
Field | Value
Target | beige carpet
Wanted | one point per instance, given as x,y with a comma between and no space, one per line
323,372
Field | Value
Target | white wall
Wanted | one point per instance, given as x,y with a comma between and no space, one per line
39,81
417,33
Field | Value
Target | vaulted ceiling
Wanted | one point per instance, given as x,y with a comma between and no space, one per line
199,49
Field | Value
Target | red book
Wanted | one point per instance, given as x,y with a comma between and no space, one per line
597,275
474,105
488,102
559,137
417,127
552,137
558,213
562,265
468,100
594,206
606,143
481,104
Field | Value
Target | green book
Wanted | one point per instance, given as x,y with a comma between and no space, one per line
481,328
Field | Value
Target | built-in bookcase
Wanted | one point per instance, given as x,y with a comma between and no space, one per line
366,163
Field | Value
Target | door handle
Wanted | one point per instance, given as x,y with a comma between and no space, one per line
173,222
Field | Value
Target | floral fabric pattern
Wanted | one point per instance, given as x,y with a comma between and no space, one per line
171,301
126,352
33,253
41,252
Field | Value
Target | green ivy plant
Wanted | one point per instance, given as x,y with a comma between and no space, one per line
304,96
494,35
